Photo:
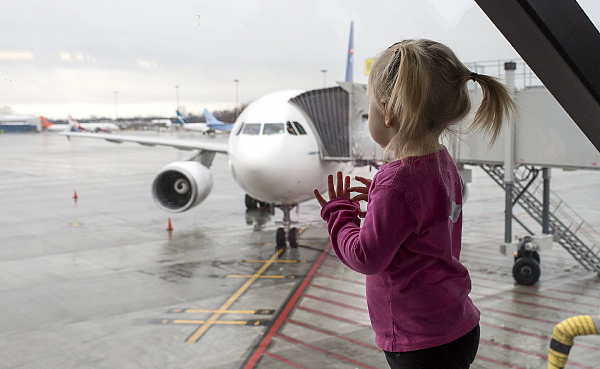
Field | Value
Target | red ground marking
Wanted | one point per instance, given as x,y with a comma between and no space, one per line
531,353
324,351
529,304
262,347
536,295
335,303
340,279
311,327
519,316
479,357
285,360
507,347
545,338
331,316
336,291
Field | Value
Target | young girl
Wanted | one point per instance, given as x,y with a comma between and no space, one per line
410,241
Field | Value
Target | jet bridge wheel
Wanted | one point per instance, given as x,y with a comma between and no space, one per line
526,271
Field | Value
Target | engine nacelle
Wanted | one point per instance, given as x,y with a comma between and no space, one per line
181,185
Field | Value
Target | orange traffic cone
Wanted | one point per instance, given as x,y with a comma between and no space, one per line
169,225
75,195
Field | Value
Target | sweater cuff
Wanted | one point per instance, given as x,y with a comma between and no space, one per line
337,204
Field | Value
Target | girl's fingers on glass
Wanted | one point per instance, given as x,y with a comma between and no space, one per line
360,198
319,198
340,184
346,185
330,187
358,189
363,180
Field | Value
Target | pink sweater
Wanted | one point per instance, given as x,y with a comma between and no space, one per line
409,248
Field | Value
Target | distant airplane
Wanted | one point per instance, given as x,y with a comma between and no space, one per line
187,126
50,127
92,127
215,124
274,155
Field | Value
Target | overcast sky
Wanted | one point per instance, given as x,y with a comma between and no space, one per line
68,57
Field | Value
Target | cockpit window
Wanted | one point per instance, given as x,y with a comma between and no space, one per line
240,129
251,129
290,128
273,128
299,128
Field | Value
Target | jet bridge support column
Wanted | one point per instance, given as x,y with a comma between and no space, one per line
546,201
509,156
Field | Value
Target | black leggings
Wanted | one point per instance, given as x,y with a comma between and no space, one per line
457,354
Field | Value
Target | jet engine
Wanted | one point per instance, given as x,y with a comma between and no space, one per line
181,185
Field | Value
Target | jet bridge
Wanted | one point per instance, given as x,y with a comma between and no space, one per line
339,116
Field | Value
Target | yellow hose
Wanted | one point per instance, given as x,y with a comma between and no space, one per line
562,338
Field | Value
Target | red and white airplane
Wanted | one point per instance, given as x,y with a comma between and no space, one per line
93,127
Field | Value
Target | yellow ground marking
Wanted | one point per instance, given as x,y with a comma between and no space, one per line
276,261
184,321
261,277
221,311
213,319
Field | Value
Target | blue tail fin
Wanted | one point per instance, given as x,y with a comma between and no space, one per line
214,123
350,61
210,119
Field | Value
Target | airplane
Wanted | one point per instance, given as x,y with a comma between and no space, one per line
194,127
274,154
50,127
93,127
215,124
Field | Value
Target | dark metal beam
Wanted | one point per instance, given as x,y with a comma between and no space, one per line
562,46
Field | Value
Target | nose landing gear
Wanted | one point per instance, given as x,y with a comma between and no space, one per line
292,233
285,234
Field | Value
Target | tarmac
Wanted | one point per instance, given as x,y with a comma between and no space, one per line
97,281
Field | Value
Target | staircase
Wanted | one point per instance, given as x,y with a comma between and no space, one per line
564,221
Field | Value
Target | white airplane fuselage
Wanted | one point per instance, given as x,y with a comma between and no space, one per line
278,168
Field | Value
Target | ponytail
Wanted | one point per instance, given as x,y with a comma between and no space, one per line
496,105
421,86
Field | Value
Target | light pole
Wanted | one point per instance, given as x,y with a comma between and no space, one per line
324,71
116,105
177,94
236,97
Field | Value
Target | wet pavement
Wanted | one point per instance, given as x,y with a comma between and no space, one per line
98,282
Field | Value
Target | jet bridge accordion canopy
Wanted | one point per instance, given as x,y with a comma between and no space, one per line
338,116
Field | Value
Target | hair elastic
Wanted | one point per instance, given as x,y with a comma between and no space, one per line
473,76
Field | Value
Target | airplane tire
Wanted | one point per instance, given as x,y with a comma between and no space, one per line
250,202
526,271
280,238
293,238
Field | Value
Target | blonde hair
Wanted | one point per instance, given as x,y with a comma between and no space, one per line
422,86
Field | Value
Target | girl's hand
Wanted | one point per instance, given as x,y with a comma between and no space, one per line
341,190
363,192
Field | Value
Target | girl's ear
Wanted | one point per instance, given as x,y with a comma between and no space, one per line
389,119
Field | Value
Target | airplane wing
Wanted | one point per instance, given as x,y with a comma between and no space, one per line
154,141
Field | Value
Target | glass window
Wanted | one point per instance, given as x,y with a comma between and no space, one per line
290,128
273,129
240,130
251,129
300,128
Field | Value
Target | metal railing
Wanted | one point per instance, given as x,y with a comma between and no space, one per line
574,233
